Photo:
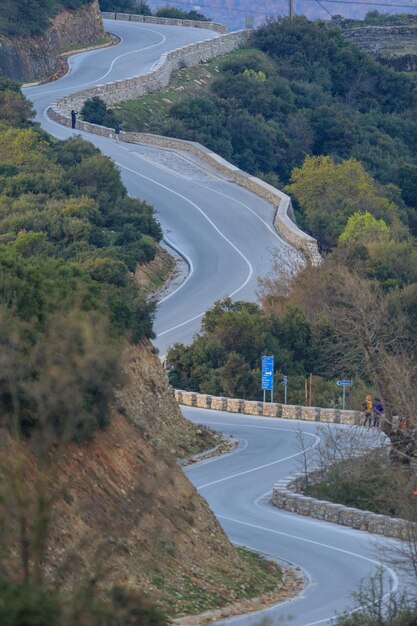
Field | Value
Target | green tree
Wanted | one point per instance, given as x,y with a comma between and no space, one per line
97,177
14,108
95,110
363,228
139,7
28,605
408,183
329,193
178,14
236,377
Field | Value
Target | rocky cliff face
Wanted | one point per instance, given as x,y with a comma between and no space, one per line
31,59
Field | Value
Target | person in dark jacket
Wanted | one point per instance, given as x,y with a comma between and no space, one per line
117,131
377,411
73,118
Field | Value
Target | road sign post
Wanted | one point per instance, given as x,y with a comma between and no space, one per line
268,375
344,383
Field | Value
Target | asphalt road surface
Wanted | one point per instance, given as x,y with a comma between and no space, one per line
237,486
224,232
226,236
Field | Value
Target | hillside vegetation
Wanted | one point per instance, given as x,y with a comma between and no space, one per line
20,17
308,111
303,90
69,238
141,7
99,525
376,18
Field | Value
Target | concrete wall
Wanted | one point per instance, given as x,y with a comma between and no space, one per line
285,496
149,19
268,409
159,78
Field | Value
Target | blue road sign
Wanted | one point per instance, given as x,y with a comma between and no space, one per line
344,383
267,373
284,380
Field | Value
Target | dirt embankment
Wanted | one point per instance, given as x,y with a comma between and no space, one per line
148,400
124,514
34,58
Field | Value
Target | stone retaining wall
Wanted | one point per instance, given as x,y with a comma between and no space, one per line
149,19
284,497
376,39
159,78
393,45
268,409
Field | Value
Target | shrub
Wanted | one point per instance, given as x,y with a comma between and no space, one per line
95,110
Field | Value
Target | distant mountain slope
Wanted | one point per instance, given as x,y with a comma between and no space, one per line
234,13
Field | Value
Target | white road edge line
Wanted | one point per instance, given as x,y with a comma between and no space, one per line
268,226
390,571
255,469
190,265
220,193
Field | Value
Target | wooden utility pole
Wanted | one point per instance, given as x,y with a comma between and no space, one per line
291,9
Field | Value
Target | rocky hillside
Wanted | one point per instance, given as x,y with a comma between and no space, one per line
148,401
32,58
123,513
392,44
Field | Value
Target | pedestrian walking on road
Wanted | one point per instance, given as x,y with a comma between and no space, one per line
73,118
367,405
377,411
117,131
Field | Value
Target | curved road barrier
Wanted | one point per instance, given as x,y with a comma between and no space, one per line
167,21
268,409
285,496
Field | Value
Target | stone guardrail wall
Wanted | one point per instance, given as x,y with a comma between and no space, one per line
155,80
149,19
159,77
285,496
268,409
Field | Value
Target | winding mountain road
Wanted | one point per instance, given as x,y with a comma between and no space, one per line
225,234
238,486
